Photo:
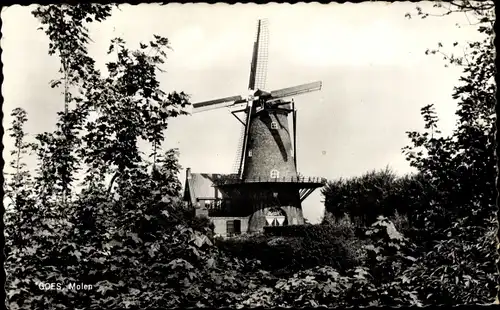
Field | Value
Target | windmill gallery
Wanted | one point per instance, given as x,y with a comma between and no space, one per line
266,188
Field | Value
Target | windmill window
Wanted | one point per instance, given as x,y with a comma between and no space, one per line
233,227
275,174
274,125
250,153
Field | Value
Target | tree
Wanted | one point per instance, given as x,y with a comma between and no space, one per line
376,193
461,167
130,106
40,248
67,234
460,170
65,27
18,187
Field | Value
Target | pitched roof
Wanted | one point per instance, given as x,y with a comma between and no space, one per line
201,185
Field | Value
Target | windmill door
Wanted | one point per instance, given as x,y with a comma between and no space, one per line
276,217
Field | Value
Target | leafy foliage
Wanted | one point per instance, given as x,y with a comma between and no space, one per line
60,235
17,188
451,203
457,270
376,193
65,27
374,283
294,248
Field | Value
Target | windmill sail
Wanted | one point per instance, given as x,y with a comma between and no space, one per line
258,74
239,150
295,90
245,138
215,104
263,100
258,69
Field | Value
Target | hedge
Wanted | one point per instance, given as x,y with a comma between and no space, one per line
293,248
317,232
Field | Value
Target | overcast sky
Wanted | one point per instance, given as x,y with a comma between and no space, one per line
371,59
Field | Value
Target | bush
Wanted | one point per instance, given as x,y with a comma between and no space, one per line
200,223
376,193
287,249
326,287
457,270
312,232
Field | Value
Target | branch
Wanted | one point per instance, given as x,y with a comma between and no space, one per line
111,183
485,5
462,6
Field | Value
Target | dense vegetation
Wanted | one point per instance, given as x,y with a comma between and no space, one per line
300,247
385,240
448,206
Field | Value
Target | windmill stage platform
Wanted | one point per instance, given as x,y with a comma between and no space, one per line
305,185
238,206
305,182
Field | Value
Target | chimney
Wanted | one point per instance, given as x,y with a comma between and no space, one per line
188,173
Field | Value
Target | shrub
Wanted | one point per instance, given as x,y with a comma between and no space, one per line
389,251
290,248
312,232
376,193
400,221
459,269
325,286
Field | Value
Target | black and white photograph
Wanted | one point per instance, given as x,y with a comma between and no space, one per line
167,155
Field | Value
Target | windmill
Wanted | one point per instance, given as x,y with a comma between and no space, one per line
267,151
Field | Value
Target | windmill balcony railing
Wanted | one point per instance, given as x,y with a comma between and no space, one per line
289,179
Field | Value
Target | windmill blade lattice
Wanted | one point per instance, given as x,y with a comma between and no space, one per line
258,70
239,150
296,90
215,104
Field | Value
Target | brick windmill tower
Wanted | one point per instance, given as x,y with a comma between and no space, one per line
265,188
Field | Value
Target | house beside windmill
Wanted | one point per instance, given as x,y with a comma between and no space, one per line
266,189
206,199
